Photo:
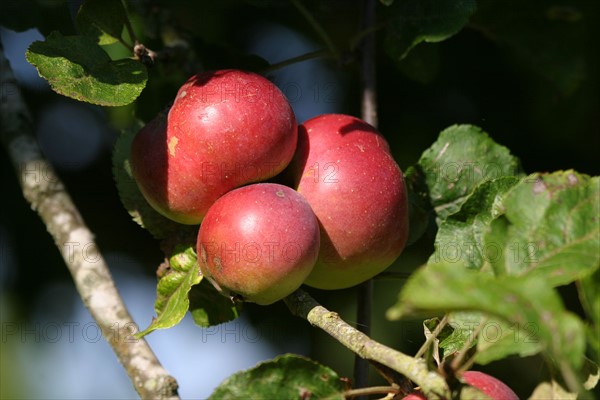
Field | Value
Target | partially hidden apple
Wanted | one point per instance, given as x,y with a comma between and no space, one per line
344,169
490,386
258,243
225,129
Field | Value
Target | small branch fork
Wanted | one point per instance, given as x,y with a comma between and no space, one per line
304,306
47,195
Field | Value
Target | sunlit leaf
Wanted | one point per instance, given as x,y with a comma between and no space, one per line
461,158
550,228
524,301
285,377
498,339
172,300
589,293
77,67
464,326
442,344
460,236
487,338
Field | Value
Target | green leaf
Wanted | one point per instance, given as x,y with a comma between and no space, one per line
285,377
134,202
492,338
550,228
77,67
419,210
524,301
460,236
443,344
172,300
206,305
589,295
463,326
103,20
209,307
414,21
498,339
544,37
461,158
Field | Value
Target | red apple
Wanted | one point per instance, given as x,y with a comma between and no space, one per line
357,191
225,129
328,131
333,130
490,386
258,242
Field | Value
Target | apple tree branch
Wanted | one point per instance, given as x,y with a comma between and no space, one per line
47,195
303,305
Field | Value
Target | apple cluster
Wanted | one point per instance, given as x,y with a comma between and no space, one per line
323,203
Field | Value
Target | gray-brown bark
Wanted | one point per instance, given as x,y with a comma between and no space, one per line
47,195
303,305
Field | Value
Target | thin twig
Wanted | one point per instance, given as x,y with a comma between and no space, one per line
316,26
304,306
371,390
294,60
47,195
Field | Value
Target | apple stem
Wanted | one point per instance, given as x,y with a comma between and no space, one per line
305,306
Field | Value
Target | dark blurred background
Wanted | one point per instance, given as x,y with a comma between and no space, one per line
526,72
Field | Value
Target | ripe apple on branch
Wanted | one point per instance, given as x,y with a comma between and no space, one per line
231,128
